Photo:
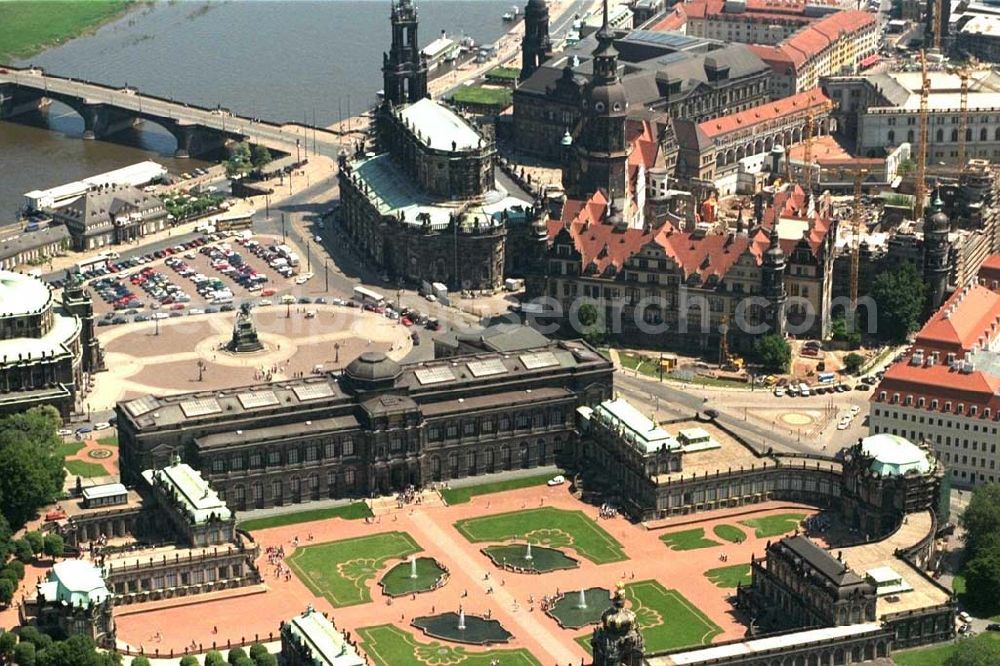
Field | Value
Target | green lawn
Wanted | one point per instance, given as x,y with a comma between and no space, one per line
463,495
772,526
934,655
555,528
353,511
84,468
730,576
730,533
67,449
688,540
668,621
27,27
503,74
391,646
111,440
340,570
482,95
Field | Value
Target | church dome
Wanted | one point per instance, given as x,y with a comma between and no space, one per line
373,367
938,221
608,98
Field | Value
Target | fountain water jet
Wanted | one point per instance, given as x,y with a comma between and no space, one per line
582,603
527,553
461,619
413,567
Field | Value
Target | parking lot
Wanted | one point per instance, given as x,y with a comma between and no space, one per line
204,275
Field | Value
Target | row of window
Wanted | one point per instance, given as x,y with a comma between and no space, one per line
490,424
276,457
921,403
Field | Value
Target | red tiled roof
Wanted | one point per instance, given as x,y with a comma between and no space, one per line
990,271
705,254
952,388
848,21
969,318
808,99
779,58
674,20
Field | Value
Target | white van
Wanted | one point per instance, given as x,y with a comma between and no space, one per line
804,390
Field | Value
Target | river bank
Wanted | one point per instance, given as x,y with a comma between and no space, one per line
32,26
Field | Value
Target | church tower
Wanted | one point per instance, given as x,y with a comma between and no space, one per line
404,68
773,283
617,641
536,47
602,149
937,251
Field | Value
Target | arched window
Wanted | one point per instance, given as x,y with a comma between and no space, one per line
909,136
939,135
954,135
892,136
996,134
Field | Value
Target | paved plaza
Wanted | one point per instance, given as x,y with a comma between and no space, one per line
678,602
183,354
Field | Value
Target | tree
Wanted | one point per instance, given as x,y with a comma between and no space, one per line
841,332
37,541
7,642
975,653
188,660
9,574
23,552
7,589
982,580
589,317
853,362
17,567
235,655
214,658
266,659
54,545
24,654
899,295
31,634
140,661
256,650
259,156
243,661
905,167
981,519
239,161
33,473
773,352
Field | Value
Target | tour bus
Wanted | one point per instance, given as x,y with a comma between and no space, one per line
97,261
825,377
366,296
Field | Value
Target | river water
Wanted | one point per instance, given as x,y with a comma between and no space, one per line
280,61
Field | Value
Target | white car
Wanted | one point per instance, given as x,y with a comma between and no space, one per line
287,299
779,391
196,311
160,315
264,301
855,410
64,432
843,425
302,279
557,480
431,297
318,239
103,425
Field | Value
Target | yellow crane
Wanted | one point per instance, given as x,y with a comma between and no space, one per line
963,118
857,220
920,187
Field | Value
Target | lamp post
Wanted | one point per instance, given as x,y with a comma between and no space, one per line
201,369
326,275
282,227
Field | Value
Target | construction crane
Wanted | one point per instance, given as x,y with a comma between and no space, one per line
807,152
920,187
857,220
963,118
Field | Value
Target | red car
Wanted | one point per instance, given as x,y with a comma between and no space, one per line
405,321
